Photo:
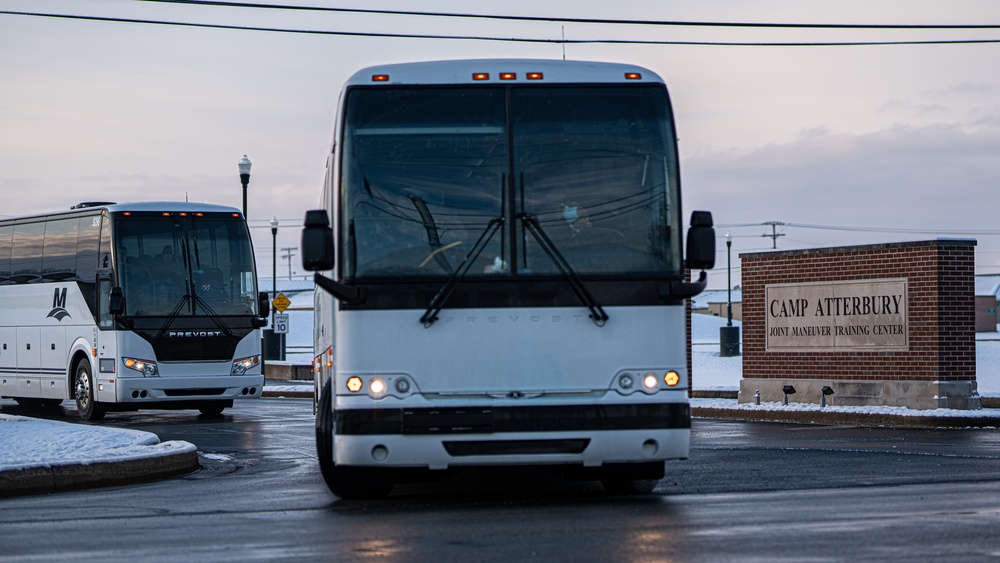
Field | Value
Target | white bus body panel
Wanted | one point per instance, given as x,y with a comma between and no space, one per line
512,357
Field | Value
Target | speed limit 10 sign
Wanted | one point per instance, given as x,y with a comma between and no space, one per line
281,323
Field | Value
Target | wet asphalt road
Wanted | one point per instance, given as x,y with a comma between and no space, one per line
751,491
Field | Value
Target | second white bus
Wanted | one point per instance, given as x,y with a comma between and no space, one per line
130,306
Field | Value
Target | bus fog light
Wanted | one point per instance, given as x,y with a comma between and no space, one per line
650,447
402,385
672,378
649,381
377,386
354,384
625,381
380,453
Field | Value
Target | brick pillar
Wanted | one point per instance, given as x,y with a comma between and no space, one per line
828,317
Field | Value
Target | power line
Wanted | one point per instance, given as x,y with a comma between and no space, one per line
549,19
501,39
896,230
919,231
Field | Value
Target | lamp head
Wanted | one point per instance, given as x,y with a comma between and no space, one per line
788,390
244,165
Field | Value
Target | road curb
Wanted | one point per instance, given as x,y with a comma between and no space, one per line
287,394
65,477
833,418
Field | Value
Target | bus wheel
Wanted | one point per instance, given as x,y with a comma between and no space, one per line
620,486
212,409
345,482
86,400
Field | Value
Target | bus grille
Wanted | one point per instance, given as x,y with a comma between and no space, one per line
516,447
193,392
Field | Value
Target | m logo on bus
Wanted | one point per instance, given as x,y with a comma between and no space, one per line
59,311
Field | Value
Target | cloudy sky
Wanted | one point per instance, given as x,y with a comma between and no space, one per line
895,142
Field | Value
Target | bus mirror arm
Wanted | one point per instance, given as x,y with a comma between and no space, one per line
343,292
124,321
684,290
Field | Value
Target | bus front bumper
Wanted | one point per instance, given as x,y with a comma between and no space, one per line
587,435
140,390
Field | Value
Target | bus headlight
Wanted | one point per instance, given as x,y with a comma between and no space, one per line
241,365
381,386
145,367
649,381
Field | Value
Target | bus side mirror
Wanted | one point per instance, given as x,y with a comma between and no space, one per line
701,241
263,305
317,241
116,301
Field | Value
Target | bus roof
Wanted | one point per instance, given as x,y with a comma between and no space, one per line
545,71
96,207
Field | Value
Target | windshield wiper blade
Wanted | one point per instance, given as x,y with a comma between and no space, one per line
597,313
212,315
173,315
190,296
437,303
433,237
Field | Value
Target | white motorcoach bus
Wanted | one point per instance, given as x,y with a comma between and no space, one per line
130,306
505,277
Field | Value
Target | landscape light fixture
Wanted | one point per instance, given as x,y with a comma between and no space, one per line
827,390
787,390
244,166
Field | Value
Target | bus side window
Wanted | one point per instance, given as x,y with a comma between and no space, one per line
5,240
104,318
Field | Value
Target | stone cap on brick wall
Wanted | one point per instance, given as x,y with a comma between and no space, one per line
958,242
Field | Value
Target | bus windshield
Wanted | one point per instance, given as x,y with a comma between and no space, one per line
184,265
426,170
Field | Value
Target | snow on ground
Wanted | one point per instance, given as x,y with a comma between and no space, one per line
32,442
714,373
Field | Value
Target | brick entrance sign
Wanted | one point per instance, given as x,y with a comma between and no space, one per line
883,324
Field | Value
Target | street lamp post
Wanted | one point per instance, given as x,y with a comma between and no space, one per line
274,343
729,279
244,165
729,335
274,263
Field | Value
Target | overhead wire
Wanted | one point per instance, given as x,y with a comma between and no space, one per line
559,41
554,19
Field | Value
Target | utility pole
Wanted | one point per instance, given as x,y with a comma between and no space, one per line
288,254
774,232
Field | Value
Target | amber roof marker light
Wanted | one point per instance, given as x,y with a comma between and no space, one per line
480,76
633,76
380,78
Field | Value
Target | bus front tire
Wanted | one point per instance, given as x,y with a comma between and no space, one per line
345,482
86,399
212,409
619,486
